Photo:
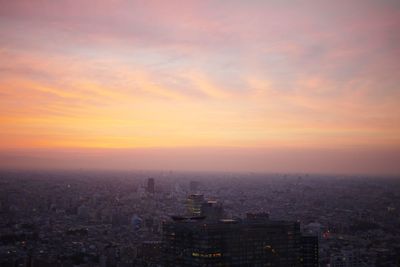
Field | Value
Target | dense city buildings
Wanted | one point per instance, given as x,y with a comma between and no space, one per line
194,186
253,241
150,185
105,219
211,239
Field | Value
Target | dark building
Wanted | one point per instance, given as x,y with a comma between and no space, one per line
254,241
309,247
150,185
194,204
194,186
150,253
212,210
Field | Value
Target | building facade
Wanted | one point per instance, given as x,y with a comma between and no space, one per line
254,241
150,186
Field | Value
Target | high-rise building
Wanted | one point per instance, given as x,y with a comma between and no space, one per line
194,204
194,186
150,185
212,210
309,246
254,241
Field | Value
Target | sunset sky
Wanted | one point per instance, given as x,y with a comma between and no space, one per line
274,85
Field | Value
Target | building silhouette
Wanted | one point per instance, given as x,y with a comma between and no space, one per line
194,204
212,210
194,186
150,185
309,247
253,241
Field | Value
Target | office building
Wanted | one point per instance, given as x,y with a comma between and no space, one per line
254,241
150,185
309,247
212,210
194,204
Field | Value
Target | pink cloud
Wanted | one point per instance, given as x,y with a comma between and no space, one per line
309,72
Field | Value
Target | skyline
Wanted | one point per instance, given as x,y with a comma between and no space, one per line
221,84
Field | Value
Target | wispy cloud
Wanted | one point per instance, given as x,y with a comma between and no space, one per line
306,74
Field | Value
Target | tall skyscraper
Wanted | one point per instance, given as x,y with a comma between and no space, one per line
194,204
212,210
150,185
254,241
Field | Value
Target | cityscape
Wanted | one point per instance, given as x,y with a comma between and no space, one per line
85,218
200,133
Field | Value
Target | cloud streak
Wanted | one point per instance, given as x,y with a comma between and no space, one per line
129,74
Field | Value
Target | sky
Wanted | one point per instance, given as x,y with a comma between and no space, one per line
274,85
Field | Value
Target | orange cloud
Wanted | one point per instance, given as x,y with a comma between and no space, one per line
135,75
